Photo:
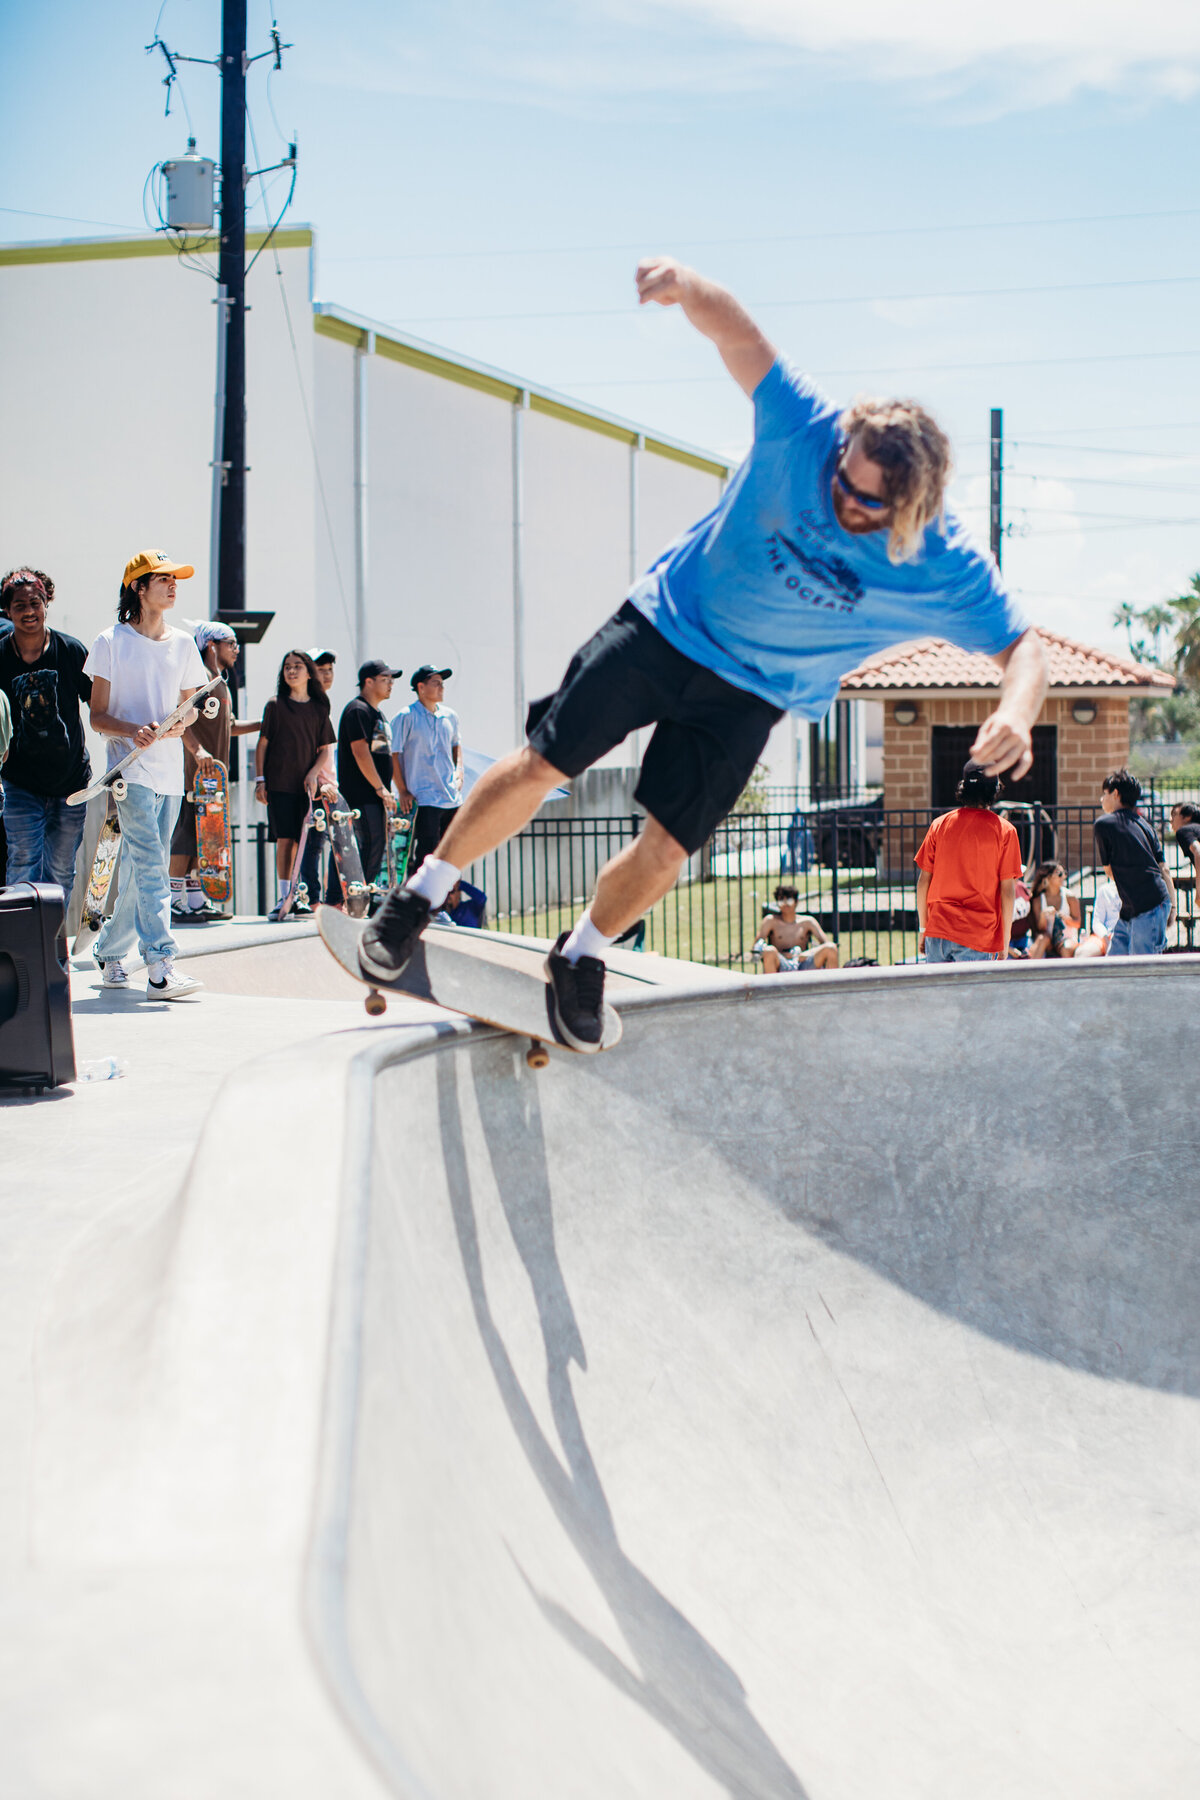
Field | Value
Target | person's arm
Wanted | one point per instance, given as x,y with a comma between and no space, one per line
1005,739
814,930
260,763
244,727
1008,894
715,314
365,761
406,799
923,883
107,724
1166,875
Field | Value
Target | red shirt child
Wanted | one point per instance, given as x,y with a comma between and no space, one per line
967,853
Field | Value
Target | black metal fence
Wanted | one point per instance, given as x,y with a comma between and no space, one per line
853,868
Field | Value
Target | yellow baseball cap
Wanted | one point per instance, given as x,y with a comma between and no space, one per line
154,562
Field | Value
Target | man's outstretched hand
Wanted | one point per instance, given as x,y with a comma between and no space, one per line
661,279
1003,743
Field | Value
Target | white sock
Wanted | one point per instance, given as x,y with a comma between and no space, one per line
585,940
195,895
433,881
285,888
178,887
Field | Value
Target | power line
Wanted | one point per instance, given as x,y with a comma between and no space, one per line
806,237
629,312
21,212
1099,450
1019,362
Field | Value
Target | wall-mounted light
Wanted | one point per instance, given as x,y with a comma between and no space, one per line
1084,712
905,712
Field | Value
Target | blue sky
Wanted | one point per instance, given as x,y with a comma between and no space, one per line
979,210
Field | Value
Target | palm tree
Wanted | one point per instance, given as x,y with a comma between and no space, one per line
1186,611
1157,619
1124,618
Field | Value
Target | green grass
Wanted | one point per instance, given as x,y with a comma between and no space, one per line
716,922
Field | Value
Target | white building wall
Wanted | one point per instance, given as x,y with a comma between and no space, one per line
576,486
439,503
332,476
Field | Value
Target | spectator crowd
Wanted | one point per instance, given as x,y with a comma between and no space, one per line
972,902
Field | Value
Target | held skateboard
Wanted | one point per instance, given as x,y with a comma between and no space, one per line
491,979
398,845
339,822
214,843
104,869
204,700
294,883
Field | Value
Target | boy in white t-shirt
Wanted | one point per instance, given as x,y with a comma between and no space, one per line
141,668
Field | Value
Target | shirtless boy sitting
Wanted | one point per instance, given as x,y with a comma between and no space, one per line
785,938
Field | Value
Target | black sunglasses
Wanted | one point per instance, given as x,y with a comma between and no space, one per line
869,502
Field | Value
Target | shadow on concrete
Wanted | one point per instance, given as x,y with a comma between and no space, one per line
679,1679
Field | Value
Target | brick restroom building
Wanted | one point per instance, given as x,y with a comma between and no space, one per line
935,697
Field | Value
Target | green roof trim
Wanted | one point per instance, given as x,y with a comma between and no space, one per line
443,366
328,327
573,415
117,249
673,453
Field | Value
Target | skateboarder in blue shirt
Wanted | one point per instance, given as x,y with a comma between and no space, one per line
832,541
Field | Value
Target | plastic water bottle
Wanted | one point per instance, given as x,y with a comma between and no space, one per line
104,1068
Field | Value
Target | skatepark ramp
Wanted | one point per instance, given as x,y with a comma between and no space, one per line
801,1400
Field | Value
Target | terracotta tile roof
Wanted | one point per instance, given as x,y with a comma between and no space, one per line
932,663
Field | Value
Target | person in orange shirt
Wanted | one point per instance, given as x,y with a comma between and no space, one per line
969,864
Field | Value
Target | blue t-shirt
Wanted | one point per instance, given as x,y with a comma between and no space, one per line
771,593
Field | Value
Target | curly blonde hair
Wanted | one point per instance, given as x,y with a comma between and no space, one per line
914,453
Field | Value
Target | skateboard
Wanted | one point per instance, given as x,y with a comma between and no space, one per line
204,700
104,869
397,849
488,978
213,841
294,882
339,822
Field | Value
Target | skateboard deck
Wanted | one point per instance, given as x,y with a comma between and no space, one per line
213,839
294,873
113,781
397,849
339,822
104,869
499,983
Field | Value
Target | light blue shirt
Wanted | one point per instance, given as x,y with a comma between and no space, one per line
425,743
771,593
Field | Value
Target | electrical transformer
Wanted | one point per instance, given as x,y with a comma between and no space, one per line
190,191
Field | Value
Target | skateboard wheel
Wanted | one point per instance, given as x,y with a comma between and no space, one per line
375,1003
319,821
212,707
119,789
537,1056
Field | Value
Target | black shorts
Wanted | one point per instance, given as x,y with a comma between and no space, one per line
709,733
285,815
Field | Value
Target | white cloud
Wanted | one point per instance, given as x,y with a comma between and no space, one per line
1048,48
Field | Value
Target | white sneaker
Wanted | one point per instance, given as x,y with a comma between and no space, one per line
164,982
114,974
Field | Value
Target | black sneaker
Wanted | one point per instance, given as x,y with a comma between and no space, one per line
389,939
576,993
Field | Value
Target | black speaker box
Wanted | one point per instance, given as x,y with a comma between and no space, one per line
37,1046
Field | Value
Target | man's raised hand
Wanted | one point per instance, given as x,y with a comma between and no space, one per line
661,279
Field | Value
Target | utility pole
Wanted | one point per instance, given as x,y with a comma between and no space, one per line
997,497
231,279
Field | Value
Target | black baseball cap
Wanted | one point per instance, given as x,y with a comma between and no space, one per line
375,667
425,673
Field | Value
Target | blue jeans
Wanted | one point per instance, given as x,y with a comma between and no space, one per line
1144,936
143,909
43,838
946,950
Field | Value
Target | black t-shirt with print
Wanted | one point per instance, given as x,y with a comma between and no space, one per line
362,723
48,756
1128,846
